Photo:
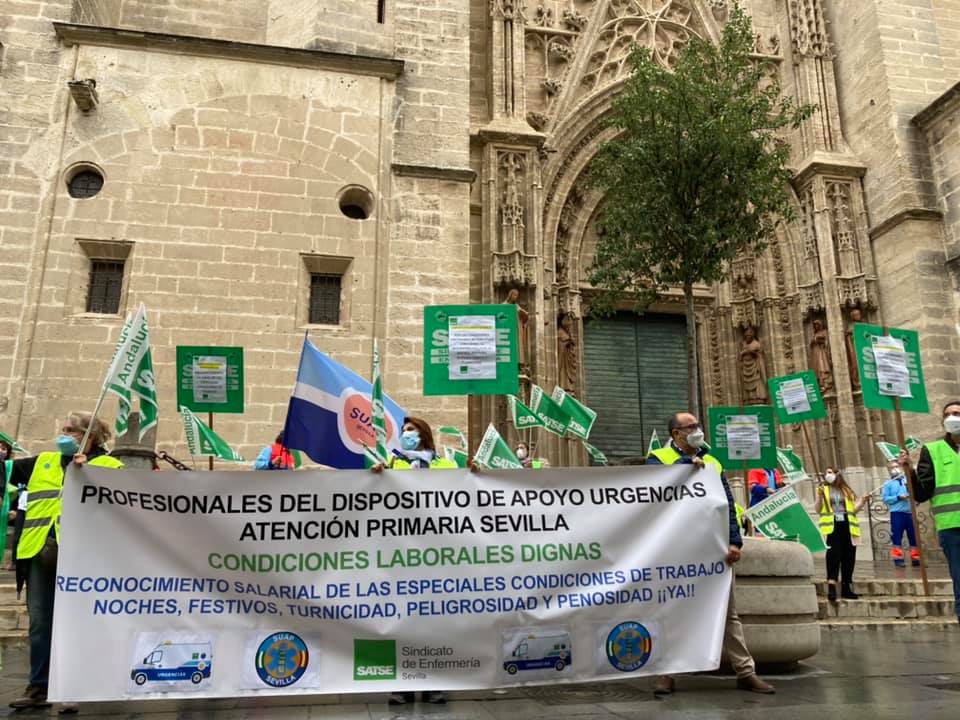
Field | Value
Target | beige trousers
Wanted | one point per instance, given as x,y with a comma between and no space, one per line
734,646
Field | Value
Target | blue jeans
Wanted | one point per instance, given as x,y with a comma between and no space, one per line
41,589
950,542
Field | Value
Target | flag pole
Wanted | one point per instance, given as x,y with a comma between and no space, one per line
210,425
813,457
96,411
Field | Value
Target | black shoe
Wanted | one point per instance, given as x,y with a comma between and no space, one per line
33,697
435,697
847,593
832,593
401,698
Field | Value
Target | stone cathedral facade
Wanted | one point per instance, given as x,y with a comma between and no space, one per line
254,169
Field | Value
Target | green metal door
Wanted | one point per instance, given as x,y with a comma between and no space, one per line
636,374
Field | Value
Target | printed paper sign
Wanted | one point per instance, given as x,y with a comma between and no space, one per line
210,379
893,376
743,437
795,396
473,347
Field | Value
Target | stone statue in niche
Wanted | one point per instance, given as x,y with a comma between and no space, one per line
856,315
820,356
753,370
523,331
567,361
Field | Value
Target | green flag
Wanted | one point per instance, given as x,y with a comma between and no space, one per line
131,374
783,517
654,443
523,417
378,421
552,416
598,457
14,445
202,441
581,417
450,430
791,465
494,453
460,457
913,444
888,450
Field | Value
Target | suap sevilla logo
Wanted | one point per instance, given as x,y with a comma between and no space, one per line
355,421
374,659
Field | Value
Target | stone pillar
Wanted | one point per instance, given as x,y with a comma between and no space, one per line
136,454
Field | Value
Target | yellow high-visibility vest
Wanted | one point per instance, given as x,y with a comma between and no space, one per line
44,503
827,514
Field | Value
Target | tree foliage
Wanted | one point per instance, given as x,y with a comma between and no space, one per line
697,172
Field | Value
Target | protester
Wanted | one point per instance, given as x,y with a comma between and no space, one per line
275,457
838,506
937,479
19,492
763,483
37,551
417,452
897,497
686,447
526,459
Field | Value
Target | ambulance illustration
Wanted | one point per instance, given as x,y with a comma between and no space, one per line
537,652
171,661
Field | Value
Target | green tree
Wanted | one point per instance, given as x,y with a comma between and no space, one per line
696,174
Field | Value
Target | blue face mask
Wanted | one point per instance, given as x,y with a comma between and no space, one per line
410,440
67,445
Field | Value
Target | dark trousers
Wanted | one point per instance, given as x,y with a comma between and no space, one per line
950,542
841,553
900,523
41,590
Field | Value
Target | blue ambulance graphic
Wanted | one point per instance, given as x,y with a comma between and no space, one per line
170,662
538,652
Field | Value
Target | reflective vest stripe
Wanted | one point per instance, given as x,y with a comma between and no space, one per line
44,503
945,503
668,456
827,520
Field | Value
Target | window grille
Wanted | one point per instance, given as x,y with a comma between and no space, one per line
106,281
324,299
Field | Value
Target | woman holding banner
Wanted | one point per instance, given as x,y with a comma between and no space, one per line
838,506
38,548
417,452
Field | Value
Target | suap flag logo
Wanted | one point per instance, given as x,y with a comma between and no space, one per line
330,416
374,659
282,659
629,645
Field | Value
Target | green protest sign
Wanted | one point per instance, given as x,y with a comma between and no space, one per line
743,436
457,456
889,364
791,465
891,452
554,418
581,417
797,397
523,417
783,517
470,350
598,457
494,453
457,433
210,379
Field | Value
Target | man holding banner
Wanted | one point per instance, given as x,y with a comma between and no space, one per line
686,447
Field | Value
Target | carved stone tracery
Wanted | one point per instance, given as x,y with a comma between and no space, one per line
807,29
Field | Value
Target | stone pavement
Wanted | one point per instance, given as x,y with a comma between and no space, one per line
883,676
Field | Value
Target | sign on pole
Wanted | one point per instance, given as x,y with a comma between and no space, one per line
889,364
470,350
743,436
797,397
791,465
210,379
783,517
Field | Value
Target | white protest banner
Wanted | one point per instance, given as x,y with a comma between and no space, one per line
217,584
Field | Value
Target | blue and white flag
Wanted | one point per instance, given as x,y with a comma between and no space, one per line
330,417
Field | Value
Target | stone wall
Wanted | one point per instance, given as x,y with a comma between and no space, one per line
350,26
96,12
243,20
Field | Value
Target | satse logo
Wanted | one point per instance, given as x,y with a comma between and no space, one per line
374,659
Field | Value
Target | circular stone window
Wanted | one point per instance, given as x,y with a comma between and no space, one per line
355,202
85,183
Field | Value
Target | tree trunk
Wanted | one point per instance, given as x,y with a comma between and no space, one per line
693,368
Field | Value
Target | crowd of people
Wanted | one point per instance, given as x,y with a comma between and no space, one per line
36,482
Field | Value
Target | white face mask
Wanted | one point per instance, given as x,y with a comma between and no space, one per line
521,453
951,423
830,478
695,439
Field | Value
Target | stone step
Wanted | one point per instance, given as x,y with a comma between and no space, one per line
14,619
888,624
898,587
888,607
8,594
